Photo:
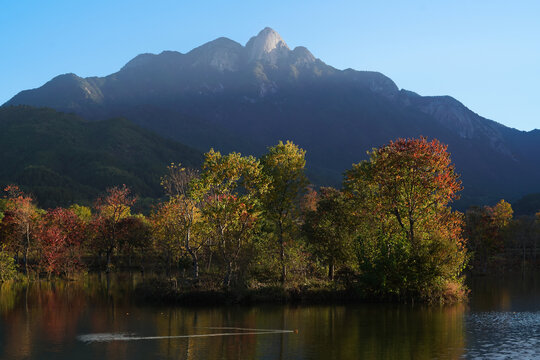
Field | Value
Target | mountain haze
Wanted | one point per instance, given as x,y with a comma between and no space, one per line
245,98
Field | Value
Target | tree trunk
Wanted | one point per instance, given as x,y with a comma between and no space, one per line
27,248
411,231
194,259
195,268
331,270
209,264
169,264
228,275
282,255
109,260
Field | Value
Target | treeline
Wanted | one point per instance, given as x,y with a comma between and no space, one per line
242,222
498,241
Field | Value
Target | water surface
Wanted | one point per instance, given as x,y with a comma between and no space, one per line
90,320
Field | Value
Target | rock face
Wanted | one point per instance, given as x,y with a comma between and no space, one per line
457,118
245,98
266,46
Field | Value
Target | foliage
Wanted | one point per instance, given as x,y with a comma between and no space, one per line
84,213
410,243
229,190
134,233
180,215
486,229
170,227
2,208
111,209
284,166
19,223
8,269
240,222
330,230
60,236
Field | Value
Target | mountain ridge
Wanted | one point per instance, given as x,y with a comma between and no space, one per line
244,98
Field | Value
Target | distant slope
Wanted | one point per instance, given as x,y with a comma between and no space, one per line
527,205
245,98
63,159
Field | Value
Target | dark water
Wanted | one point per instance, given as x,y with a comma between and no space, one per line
47,320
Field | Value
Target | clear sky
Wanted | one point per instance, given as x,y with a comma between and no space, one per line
485,53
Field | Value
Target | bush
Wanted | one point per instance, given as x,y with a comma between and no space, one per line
8,270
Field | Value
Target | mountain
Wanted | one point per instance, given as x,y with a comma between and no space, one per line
245,98
528,205
63,159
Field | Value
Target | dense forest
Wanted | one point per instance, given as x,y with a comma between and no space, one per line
62,159
244,223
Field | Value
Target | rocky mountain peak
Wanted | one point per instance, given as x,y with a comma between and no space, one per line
221,54
268,45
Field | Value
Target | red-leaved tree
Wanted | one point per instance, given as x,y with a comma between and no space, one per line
60,236
411,243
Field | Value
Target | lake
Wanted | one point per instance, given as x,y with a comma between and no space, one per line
90,320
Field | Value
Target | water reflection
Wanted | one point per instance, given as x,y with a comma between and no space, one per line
43,320
511,292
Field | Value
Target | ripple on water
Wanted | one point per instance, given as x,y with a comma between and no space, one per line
103,337
503,335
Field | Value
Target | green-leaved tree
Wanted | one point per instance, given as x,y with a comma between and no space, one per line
284,165
229,189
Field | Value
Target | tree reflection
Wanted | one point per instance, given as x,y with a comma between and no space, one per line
56,312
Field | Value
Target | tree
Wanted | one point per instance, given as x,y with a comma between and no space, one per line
501,214
167,232
486,229
411,243
330,229
229,190
111,210
134,233
8,269
284,166
60,235
181,213
2,209
20,218
84,213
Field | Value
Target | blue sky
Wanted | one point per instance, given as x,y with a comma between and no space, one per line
485,53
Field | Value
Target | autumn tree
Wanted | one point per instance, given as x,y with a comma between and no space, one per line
167,232
60,236
8,269
486,229
19,222
84,213
330,229
501,214
229,189
2,208
179,215
111,209
134,234
411,243
284,164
